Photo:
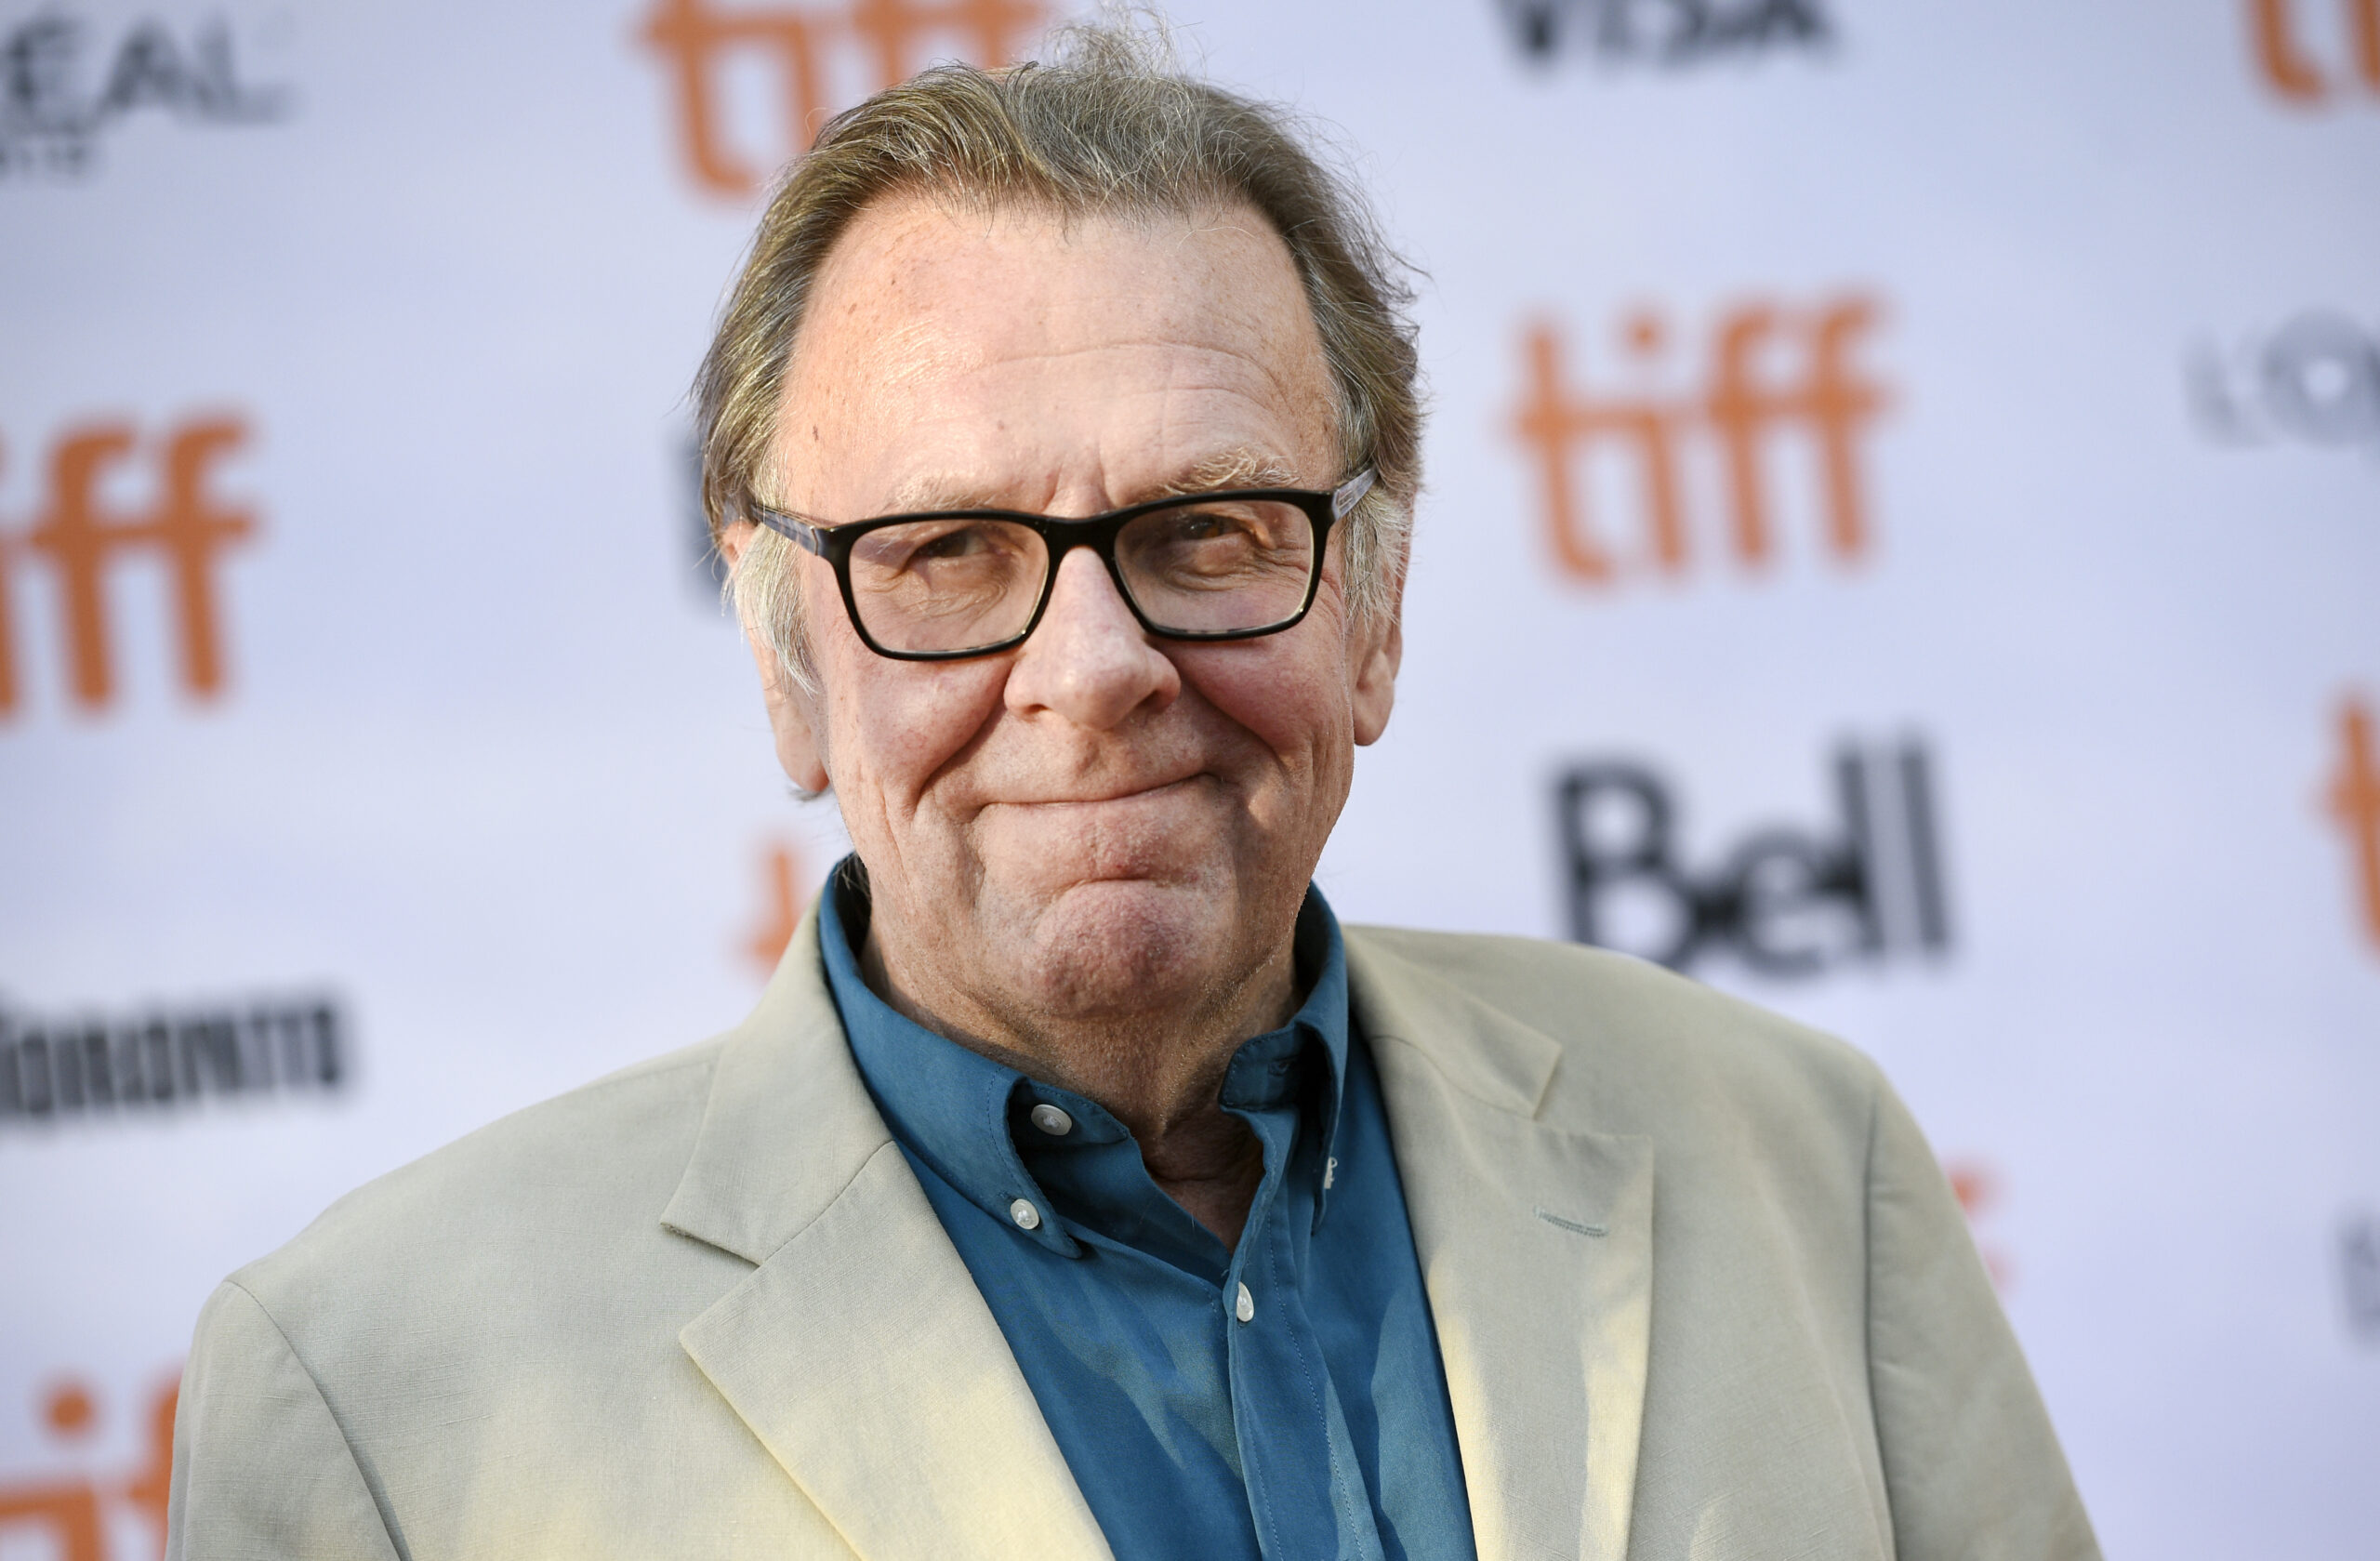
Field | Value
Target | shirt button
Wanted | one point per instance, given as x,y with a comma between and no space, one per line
1051,1120
1029,1218
1247,1307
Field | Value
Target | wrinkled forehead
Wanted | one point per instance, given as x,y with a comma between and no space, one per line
953,356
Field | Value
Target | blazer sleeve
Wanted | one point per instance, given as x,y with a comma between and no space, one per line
1972,1468
261,1470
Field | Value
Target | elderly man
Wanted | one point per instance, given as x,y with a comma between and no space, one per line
1079,1187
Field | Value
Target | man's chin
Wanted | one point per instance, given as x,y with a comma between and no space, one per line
1124,945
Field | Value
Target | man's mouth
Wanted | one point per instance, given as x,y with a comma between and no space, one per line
1149,791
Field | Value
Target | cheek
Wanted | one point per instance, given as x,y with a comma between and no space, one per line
893,724
1288,692
900,722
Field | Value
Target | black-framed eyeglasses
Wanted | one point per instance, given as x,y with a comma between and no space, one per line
950,583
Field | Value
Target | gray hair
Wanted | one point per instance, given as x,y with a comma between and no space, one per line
1110,125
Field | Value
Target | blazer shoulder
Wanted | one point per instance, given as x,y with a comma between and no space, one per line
591,1162
1639,1044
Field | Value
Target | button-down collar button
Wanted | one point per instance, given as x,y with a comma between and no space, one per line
1247,1307
1051,1120
1029,1218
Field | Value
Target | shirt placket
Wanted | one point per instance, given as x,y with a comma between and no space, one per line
1306,1489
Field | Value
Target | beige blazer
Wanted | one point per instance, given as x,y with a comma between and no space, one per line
1700,1289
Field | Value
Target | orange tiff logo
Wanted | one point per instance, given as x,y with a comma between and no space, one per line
2354,802
1977,1186
79,537
1744,407
72,1512
782,876
2292,70
884,40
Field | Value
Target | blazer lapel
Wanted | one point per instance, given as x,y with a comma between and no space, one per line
1536,1247
859,1350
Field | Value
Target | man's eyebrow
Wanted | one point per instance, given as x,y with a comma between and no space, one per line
1238,468
1231,468
920,494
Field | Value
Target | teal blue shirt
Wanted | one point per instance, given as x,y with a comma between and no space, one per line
1308,1420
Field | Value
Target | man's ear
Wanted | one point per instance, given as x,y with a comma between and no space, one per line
1375,651
790,717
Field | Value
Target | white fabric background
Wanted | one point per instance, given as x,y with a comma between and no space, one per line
490,767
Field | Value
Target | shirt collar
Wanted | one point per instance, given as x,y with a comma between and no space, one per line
958,1110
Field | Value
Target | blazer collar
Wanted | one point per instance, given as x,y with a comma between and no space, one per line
862,1355
859,1350
789,1123
1535,1239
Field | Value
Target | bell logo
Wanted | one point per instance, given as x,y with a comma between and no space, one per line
885,39
80,540
1735,419
2292,70
73,1513
1785,901
2354,802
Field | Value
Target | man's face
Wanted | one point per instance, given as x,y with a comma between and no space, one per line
1095,824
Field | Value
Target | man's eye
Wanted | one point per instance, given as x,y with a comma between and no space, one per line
949,545
933,546
1200,527
1193,526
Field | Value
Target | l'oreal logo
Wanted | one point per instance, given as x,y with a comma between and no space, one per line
61,88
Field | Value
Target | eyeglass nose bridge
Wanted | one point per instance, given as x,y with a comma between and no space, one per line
1063,534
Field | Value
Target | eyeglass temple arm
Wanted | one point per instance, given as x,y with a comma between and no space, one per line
1351,493
806,534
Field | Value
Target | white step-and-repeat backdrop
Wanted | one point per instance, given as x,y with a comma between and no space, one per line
1903,542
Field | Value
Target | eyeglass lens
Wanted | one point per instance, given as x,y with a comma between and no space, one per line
1201,567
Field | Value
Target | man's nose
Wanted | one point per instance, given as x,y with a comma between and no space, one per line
1089,659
